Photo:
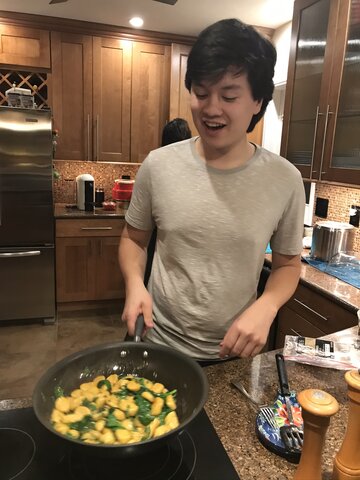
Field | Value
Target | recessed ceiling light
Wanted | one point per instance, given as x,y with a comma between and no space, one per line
136,22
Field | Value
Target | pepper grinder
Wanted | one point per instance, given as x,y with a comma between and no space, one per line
317,408
347,460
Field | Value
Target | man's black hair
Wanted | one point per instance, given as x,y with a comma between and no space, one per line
231,45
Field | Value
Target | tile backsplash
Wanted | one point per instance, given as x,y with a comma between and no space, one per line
340,201
340,198
103,173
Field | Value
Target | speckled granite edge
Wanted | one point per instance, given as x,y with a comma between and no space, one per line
61,212
12,404
336,290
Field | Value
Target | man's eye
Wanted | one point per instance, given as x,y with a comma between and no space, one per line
200,96
229,99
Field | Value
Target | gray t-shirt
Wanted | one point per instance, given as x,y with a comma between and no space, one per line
213,229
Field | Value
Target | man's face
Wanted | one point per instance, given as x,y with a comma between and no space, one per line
222,111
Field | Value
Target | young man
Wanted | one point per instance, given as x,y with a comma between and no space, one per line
217,200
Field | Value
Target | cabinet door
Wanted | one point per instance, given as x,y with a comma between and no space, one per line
179,95
108,279
75,269
150,97
290,323
24,47
111,99
72,95
308,83
341,161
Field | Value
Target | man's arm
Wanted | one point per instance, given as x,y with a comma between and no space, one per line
283,280
248,333
132,261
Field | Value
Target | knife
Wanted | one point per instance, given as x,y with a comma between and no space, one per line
284,385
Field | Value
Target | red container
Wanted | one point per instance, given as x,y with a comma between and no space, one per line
122,189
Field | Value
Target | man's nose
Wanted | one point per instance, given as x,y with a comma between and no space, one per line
212,105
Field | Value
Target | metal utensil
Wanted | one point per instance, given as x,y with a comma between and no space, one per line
291,435
266,411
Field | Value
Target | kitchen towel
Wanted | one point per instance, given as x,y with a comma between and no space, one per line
343,271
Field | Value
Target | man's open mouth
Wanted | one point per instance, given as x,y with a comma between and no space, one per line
214,125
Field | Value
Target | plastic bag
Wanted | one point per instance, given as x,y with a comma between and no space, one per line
323,353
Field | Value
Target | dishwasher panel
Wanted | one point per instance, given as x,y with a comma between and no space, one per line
27,283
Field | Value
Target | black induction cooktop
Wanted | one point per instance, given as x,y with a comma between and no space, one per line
31,452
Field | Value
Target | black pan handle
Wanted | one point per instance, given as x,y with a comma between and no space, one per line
282,373
139,328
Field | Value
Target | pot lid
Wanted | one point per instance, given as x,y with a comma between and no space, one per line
331,225
122,180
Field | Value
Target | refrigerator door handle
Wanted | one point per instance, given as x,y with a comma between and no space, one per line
31,253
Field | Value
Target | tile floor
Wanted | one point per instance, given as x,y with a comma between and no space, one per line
28,350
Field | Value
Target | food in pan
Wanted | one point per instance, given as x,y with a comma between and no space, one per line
115,410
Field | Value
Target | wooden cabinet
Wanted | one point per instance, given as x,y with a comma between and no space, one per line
72,94
150,97
110,97
91,97
322,104
87,260
24,47
179,95
311,314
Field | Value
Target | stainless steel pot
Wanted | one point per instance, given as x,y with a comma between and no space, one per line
330,238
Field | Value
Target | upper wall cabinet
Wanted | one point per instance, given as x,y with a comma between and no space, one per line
24,47
91,97
322,105
149,97
110,97
179,95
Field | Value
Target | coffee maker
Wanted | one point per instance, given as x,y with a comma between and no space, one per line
85,188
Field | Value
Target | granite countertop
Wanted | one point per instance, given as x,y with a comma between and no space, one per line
234,419
62,212
337,290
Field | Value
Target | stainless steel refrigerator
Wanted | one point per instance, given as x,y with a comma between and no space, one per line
27,276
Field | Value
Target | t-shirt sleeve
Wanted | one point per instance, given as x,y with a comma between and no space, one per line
139,214
287,239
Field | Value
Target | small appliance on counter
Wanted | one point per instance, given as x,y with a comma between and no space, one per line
85,190
122,190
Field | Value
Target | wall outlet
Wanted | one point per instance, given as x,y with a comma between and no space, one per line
354,215
321,207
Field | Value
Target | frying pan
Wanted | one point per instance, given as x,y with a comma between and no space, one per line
155,362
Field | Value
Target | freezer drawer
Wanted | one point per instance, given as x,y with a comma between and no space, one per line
27,283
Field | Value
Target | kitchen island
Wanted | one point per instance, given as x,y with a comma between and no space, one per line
234,419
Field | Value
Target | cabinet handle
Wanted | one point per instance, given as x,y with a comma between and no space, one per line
324,138
314,140
310,309
295,332
88,137
31,253
96,228
97,138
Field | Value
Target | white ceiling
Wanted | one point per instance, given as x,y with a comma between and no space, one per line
186,17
